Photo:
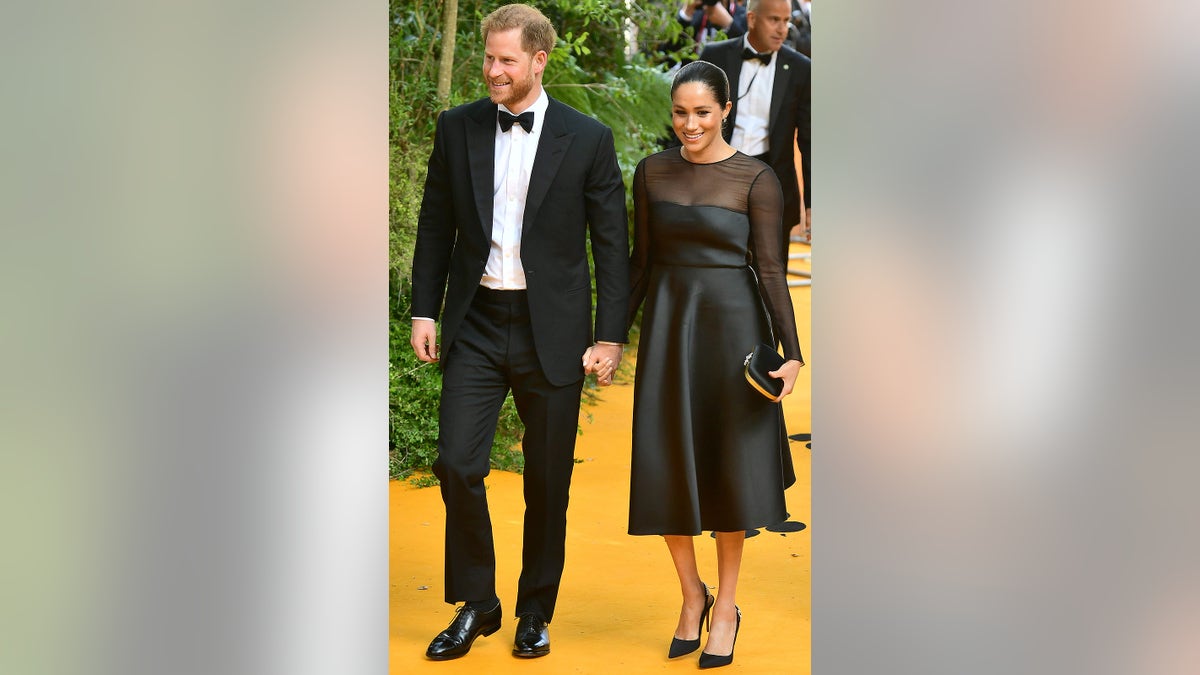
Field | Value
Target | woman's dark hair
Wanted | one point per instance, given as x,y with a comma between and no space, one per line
706,74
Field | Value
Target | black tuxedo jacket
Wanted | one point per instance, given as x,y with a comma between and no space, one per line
791,114
575,188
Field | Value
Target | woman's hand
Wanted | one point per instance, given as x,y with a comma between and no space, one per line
788,373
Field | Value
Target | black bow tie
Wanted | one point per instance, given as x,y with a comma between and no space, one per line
748,54
525,119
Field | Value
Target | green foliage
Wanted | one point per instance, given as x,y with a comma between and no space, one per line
406,184
589,70
633,101
414,391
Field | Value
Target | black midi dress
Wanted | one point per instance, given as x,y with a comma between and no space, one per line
709,452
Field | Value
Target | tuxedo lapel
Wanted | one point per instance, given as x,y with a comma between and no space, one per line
783,74
733,70
481,151
552,148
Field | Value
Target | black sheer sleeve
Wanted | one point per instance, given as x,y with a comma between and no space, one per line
766,243
639,261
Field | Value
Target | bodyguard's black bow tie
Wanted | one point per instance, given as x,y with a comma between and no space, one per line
748,54
525,119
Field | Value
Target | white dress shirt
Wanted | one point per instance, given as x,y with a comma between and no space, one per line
513,161
750,133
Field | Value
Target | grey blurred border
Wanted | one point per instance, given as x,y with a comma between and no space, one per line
1005,330
194,262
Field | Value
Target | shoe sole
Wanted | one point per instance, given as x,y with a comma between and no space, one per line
530,655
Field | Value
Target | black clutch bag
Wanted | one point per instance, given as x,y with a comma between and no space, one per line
759,362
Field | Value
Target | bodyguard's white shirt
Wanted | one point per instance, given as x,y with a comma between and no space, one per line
513,162
755,84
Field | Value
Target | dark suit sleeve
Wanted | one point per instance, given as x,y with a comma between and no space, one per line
709,53
804,132
718,54
435,233
737,28
604,195
740,22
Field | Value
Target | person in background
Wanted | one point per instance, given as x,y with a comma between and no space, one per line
707,17
800,32
771,106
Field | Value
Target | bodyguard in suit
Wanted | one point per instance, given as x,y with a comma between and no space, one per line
770,83
517,184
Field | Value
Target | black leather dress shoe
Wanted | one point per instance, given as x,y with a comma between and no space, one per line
533,637
467,625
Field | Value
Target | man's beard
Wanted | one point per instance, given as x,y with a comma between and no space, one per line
517,90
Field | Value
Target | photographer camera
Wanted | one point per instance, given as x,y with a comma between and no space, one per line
707,17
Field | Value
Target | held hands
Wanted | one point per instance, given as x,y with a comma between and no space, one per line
788,373
424,340
602,360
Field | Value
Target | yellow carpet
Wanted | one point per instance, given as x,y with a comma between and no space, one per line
619,599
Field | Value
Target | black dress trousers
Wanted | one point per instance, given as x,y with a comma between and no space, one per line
495,353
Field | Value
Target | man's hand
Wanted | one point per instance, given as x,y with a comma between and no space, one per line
602,359
424,340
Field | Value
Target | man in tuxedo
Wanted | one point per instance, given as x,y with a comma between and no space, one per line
517,184
771,89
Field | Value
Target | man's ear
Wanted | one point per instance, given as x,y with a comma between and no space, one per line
539,62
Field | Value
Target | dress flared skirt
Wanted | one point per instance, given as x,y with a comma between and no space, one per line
709,452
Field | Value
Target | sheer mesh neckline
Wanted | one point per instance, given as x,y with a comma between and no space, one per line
735,154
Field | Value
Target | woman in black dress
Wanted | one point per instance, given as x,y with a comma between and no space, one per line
709,452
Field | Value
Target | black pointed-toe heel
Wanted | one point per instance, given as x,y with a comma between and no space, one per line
685,647
712,660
